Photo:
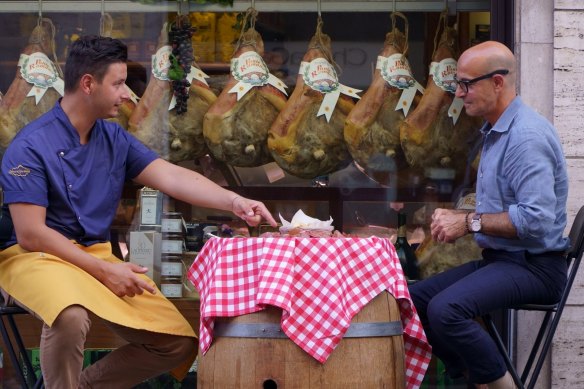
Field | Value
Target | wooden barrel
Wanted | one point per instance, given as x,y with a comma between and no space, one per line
278,363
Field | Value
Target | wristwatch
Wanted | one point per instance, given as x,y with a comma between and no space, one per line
475,223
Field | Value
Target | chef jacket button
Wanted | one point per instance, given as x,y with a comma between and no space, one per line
62,154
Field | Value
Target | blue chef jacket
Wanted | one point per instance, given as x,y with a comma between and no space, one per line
80,185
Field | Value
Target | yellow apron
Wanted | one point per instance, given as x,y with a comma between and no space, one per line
46,285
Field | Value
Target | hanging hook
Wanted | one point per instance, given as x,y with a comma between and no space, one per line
253,4
40,20
394,6
318,8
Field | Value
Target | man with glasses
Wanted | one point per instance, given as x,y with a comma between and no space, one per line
520,216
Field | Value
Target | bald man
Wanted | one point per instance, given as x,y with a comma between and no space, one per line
520,217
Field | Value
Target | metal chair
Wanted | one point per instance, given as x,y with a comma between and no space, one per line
10,334
553,313
15,347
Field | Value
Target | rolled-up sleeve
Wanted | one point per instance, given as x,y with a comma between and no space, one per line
530,166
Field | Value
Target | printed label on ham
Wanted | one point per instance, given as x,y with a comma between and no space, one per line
37,69
395,69
321,76
443,73
161,63
250,70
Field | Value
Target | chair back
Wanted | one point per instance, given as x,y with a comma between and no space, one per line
577,237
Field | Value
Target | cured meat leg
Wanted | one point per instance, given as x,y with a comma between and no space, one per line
235,130
428,135
301,143
372,127
174,137
16,109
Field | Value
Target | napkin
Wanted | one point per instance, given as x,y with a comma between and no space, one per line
301,220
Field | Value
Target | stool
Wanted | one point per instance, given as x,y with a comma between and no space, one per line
15,346
553,313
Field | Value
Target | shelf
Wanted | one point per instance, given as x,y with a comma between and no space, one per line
238,6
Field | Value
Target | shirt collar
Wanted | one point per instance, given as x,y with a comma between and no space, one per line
64,119
504,122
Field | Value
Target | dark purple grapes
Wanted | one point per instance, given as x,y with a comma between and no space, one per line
179,37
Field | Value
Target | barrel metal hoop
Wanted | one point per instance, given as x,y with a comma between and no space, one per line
273,330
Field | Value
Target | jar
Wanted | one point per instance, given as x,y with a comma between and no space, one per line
172,223
172,244
171,287
171,266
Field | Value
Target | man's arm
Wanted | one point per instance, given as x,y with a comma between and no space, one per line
34,235
193,188
451,224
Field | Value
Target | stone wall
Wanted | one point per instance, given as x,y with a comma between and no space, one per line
549,46
568,346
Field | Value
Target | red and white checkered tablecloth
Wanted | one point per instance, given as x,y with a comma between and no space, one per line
319,283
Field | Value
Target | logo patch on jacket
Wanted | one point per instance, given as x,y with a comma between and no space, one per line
19,171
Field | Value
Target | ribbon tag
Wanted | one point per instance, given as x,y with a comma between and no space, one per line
250,70
37,69
396,71
161,63
443,73
455,109
321,76
133,97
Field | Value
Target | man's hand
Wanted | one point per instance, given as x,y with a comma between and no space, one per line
251,211
448,225
121,279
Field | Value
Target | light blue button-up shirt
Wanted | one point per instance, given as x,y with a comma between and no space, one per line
523,171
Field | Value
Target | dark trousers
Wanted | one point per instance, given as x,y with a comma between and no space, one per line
448,303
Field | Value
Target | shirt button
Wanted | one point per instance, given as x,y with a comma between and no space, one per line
62,154
70,186
79,218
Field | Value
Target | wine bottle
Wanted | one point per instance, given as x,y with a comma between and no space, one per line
405,252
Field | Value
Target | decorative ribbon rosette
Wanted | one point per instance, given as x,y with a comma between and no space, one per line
443,73
37,69
250,70
396,71
161,65
321,76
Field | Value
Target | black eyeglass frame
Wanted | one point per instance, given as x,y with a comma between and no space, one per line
465,84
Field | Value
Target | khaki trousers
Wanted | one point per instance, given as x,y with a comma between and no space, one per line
147,354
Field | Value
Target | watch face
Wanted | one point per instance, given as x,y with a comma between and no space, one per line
475,225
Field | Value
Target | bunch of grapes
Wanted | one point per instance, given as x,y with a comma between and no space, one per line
179,37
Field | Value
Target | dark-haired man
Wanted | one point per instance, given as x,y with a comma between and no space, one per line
520,216
62,177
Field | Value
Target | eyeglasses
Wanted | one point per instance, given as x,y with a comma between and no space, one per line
465,84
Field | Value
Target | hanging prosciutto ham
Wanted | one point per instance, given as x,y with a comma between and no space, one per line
156,121
236,125
38,84
306,140
438,133
372,127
